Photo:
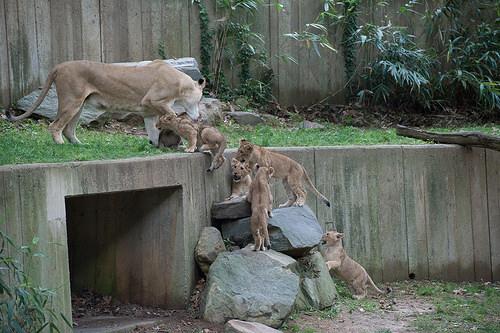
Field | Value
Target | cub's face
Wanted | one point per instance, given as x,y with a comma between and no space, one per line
331,237
266,172
239,170
244,151
165,120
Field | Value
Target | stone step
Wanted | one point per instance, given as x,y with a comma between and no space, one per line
236,208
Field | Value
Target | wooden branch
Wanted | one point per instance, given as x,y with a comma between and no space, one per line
474,139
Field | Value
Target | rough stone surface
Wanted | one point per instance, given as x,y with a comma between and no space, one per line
95,116
168,139
239,326
209,246
292,230
311,124
211,111
252,286
236,208
317,289
246,118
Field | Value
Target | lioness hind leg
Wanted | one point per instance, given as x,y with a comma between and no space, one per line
65,113
300,194
70,130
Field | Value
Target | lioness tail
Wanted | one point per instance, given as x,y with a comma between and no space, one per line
315,191
39,100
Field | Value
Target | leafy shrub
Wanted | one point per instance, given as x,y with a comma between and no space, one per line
24,307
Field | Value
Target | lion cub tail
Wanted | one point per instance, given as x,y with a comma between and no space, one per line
374,286
39,100
315,191
222,147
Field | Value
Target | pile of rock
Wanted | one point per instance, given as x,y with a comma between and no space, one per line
262,287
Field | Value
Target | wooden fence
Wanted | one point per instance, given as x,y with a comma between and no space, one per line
36,35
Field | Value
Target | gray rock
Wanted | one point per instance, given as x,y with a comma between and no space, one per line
292,230
211,111
209,246
311,124
317,289
251,286
236,208
239,326
90,114
245,118
168,139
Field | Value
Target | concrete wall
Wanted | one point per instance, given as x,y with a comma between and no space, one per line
431,210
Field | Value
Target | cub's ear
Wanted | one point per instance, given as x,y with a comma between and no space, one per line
257,167
243,141
234,161
271,172
340,235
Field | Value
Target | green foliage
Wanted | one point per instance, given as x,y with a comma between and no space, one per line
24,306
233,42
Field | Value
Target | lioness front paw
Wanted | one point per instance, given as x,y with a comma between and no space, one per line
189,150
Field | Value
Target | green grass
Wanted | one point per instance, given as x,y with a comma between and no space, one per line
30,142
460,308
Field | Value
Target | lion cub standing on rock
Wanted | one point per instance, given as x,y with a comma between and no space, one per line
290,172
346,268
241,179
261,200
200,137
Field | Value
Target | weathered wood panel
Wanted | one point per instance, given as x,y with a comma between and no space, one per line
114,31
4,59
66,32
91,30
43,41
493,181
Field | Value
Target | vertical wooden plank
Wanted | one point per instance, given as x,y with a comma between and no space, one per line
66,23
91,30
176,27
274,48
493,181
289,76
16,49
43,33
4,59
476,164
194,31
134,21
114,31
147,36
27,32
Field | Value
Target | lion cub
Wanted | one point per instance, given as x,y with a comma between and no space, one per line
241,179
346,268
200,137
290,172
261,200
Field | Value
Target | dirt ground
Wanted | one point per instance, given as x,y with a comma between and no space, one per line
393,313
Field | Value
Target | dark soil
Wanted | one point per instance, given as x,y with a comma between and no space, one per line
383,117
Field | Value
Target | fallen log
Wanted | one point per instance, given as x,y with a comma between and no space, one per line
472,139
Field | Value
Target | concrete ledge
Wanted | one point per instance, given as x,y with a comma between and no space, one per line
431,210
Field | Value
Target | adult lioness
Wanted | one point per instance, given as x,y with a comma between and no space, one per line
150,90
290,172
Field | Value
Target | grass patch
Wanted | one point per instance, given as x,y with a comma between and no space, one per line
30,142
460,308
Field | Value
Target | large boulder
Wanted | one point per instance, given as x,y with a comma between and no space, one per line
236,208
211,111
209,246
245,118
317,289
292,230
239,326
95,116
251,286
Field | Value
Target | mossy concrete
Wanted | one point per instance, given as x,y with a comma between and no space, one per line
431,210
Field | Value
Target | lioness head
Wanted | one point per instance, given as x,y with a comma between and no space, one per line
239,170
244,151
165,120
192,99
331,237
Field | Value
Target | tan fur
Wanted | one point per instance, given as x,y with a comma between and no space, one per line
200,137
149,90
289,171
261,200
242,180
344,267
